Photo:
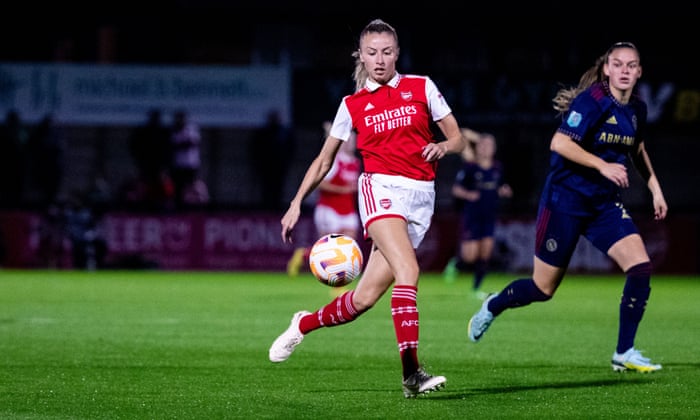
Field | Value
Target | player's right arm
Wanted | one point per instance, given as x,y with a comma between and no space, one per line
316,172
565,146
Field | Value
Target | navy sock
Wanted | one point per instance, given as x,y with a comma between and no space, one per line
480,267
463,266
634,300
518,293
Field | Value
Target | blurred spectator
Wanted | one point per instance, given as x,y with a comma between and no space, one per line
71,235
13,142
272,152
195,194
54,244
99,195
46,151
185,162
149,145
138,195
84,230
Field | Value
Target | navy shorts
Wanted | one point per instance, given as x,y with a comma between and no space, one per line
477,225
558,233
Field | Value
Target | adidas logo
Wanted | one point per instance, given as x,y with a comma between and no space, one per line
612,120
369,106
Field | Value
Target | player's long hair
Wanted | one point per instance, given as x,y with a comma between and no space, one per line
565,95
378,26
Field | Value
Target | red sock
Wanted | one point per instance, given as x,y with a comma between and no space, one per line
404,312
339,311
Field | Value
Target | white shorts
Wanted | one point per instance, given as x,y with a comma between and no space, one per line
327,220
383,196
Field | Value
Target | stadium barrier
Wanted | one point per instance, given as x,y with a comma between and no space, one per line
251,242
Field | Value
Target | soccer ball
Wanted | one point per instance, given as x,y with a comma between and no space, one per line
336,259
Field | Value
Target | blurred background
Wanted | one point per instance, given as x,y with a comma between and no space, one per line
92,96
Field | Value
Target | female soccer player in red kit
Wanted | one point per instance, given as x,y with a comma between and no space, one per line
391,114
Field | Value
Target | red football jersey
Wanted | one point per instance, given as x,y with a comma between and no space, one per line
345,171
393,124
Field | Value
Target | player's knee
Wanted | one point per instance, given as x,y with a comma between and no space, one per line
541,296
543,293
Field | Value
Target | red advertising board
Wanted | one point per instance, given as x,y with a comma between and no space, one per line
251,242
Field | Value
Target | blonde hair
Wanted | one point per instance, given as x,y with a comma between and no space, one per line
376,26
471,137
594,74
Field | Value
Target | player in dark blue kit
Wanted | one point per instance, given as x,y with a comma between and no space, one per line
603,126
479,185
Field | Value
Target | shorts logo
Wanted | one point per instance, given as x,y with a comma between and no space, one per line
551,245
385,203
574,119
624,214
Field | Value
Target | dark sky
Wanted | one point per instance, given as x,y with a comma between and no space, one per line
173,31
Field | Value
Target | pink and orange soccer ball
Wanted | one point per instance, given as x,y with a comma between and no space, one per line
336,260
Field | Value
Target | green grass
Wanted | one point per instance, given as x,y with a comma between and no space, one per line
186,345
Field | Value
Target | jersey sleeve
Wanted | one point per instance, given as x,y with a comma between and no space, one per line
461,174
465,176
584,112
439,108
342,124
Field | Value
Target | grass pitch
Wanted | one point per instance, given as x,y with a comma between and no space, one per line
193,345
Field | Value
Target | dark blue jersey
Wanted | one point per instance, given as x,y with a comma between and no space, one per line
473,177
604,127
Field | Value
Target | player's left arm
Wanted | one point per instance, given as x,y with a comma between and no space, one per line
642,163
442,114
454,140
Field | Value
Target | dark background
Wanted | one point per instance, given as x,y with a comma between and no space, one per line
497,63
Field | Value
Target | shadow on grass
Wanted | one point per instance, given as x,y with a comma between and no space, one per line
682,365
451,394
